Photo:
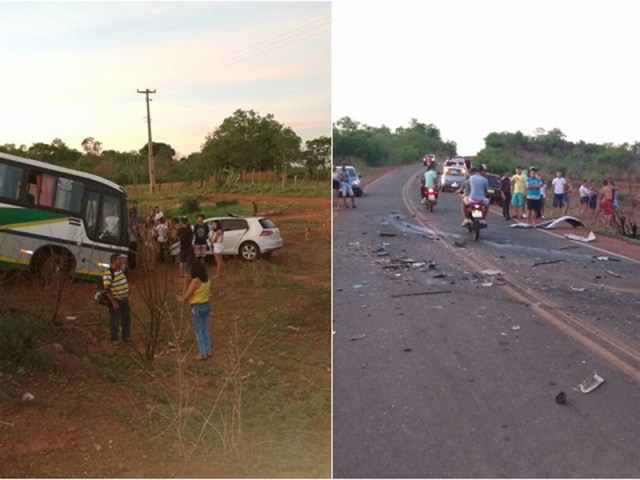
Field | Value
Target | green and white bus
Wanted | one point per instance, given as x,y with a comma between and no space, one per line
57,220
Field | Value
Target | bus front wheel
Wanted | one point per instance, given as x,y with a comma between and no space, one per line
50,264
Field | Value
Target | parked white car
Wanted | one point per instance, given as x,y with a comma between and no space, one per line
249,237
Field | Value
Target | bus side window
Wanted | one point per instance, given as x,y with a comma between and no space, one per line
10,180
91,213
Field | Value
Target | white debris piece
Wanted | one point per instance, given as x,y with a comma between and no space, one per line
491,272
589,238
590,383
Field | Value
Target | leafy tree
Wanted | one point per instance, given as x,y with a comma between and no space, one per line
317,155
247,141
91,146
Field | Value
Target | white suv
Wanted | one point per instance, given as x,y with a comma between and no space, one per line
249,237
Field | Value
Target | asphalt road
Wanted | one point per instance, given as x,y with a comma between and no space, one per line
443,371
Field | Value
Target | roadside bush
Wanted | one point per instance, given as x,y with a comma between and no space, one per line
18,342
189,205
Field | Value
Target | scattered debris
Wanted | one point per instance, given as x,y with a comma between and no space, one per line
607,259
548,262
589,238
492,273
602,259
440,275
407,350
561,398
433,292
28,397
383,254
590,383
357,286
357,337
515,328
487,284
291,327
568,247
387,234
8,424
576,289
460,244
613,274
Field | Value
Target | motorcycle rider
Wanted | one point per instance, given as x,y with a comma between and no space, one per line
429,180
478,193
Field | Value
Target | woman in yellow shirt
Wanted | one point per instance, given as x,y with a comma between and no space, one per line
198,295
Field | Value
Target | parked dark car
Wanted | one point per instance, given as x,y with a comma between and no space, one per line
495,195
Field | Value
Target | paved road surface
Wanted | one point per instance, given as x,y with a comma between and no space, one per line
442,371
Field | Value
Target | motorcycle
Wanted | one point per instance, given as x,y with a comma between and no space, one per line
475,224
430,197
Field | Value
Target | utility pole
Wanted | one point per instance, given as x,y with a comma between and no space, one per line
152,172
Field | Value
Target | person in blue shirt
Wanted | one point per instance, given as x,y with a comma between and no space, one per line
478,187
534,199
429,179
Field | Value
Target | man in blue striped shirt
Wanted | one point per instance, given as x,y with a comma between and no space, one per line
116,284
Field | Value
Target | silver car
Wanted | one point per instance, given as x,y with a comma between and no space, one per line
249,237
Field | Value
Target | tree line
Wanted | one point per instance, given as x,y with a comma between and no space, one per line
244,142
548,150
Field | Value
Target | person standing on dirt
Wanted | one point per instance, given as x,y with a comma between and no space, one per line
533,185
163,240
517,189
606,202
134,235
198,293
345,187
185,235
559,184
201,234
217,243
116,284
505,192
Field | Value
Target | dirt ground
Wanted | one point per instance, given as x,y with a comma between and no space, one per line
79,423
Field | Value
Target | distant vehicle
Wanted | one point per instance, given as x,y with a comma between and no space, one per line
429,159
452,178
354,179
495,194
248,237
456,161
59,221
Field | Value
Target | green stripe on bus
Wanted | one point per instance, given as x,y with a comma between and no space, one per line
10,216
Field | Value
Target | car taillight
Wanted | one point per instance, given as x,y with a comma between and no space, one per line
477,206
266,233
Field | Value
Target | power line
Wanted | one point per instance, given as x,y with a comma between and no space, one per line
290,37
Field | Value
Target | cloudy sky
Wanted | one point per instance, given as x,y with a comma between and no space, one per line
72,70
471,67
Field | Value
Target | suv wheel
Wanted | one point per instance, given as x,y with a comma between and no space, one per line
249,251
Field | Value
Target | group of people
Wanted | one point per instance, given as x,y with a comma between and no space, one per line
342,185
526,192
159,236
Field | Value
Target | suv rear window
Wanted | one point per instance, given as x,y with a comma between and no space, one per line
266,223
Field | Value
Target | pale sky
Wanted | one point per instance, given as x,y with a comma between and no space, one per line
472,67
71,70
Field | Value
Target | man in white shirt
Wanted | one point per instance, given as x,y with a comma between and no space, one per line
559,184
